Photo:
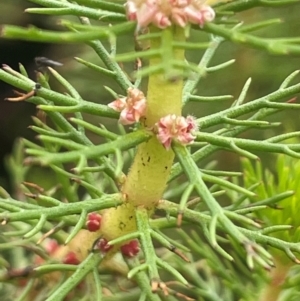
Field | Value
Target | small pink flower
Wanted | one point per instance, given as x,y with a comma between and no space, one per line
71,258
208,13
164,13
192,125
93,222
118,105
201,16
161,21
132,107
147,13
175,127
179,17
131,11
131,249
102,245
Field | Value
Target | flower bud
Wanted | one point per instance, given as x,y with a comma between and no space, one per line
102,245
130,249
93,222
71,258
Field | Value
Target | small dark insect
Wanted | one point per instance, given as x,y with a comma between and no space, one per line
43,62
36,87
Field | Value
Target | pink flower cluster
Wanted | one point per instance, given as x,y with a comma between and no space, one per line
93,222
71,258
175,127
163,13
103,246
130,249
132,107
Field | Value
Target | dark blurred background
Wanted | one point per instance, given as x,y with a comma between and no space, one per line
267,72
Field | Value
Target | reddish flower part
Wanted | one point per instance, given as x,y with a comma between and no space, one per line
102,245
132,107
164,13
176,127
22,282
93,222
131,249
71,258
51,246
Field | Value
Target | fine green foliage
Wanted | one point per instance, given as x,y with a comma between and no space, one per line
202,230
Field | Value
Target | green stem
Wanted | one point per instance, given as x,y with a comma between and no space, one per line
143,281
108,61
201,219
237,36
64,209
84,268
241,5
123,143
258,145
49,36
149,172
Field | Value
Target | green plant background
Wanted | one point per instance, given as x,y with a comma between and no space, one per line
267,72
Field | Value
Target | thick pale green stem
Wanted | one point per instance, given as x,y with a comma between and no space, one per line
150,170
148,175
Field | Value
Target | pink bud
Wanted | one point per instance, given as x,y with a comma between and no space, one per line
131,249
71,258
131,10
193,15
208,13
93,222
118,105
161,20
102,244
179,17
147,12
51,246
